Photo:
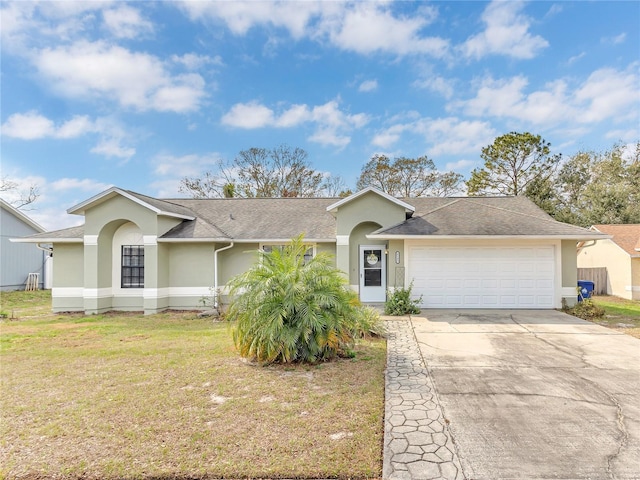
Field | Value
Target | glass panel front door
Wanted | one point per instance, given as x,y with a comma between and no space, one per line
372,274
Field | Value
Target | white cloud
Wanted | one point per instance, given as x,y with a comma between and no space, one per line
361,27
192,61
606,94
248,115
84,184
615,40
28,126
506,33
126,22
460,165
390,136
34,126
368,86
167,165
437,84
575,58
136,80
609,93
452,136
241,16
368,28
447,136
330,122
112,147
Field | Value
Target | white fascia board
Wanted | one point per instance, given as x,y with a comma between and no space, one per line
487,237
283,240
334,206
193,240
246,240
46,240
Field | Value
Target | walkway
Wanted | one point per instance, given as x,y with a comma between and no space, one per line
417,442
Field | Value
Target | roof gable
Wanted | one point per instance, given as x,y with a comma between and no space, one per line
160,207
6,206
334,206
626,236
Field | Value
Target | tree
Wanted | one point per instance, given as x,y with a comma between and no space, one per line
287,309
593,188
258,172
18,198
407,177
511,163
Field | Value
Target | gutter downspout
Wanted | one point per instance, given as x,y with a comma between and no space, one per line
215,273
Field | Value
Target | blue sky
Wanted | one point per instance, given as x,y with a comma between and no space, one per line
141,94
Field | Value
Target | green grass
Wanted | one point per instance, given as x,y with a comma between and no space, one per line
20,303
167,396
620,314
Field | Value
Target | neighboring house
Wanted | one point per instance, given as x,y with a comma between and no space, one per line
136,252
18,260
620,255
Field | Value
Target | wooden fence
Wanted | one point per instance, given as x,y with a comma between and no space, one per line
596,275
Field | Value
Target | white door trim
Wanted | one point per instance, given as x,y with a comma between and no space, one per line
373,276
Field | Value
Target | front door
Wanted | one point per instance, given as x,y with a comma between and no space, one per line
373,274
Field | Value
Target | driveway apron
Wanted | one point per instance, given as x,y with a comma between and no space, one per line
519,394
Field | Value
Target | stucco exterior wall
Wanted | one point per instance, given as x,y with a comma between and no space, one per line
635,278
569,272
68,278
191,264
605,253
354,220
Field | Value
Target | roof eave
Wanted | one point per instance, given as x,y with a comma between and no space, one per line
46,240
486,237
82,207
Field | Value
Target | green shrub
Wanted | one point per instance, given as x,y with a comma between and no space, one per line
287,309
587,310
399,302
367,322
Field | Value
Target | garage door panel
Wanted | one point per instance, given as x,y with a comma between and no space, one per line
489,277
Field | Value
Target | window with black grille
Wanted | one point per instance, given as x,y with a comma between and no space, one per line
132,266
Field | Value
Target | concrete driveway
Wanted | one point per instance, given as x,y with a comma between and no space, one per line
535,394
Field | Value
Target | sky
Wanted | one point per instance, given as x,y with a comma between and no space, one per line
140,94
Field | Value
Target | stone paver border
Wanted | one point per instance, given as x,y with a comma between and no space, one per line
417,441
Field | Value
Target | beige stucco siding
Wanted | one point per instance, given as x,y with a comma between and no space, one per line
191,264
396,271
356,219
635,277
118,209
70,258
68,277
359,237
605,253
370,207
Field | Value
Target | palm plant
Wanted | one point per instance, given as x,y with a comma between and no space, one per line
289,309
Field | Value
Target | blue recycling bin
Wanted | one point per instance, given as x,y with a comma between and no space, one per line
586,289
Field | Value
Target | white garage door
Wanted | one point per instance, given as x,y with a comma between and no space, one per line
483,277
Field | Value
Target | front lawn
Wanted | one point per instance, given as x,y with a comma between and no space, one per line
167,396
619,314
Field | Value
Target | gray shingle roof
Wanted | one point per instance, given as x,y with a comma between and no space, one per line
256,219
263,218
481,216
68,234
